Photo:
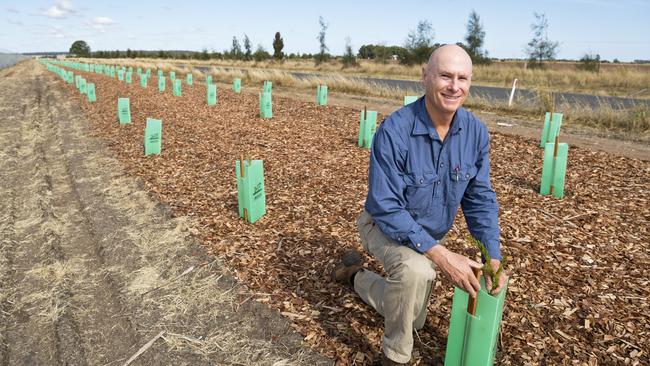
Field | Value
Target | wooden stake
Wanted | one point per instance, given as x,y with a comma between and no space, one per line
555,147
241,166
471,304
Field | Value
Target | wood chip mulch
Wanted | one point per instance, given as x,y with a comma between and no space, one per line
580,266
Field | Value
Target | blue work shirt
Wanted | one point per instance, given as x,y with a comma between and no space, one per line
416,181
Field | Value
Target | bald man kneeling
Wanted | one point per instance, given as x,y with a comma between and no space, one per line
427,159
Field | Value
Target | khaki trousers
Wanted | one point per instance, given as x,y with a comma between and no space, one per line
402,296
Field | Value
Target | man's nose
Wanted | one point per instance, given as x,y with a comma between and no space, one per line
453,85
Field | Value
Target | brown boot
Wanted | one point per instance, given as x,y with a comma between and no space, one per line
351,263
385,361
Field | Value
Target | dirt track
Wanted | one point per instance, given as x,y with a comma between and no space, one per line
92,268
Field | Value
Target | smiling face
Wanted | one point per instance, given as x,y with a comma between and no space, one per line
447,78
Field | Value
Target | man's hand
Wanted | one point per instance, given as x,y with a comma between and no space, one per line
503,277
457,267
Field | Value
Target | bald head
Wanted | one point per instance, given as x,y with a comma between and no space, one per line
449,53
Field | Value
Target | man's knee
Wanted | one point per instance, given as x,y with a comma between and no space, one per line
414,270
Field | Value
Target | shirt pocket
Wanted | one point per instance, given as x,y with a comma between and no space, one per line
459,181
419,191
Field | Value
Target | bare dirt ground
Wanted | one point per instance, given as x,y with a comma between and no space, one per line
92,267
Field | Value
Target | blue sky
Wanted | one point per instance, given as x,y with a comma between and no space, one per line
614,29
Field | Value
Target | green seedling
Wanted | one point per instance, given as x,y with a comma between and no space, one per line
487,267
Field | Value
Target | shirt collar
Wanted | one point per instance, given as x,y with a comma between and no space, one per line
424,126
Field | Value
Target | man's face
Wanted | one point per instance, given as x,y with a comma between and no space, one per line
447,82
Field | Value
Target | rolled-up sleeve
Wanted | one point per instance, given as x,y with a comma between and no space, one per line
386,202
479,202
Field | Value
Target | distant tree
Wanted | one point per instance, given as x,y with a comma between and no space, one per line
419,43
278,45
475,37
321,57
540,48
80,49
261,54
348,59
129,54
205,55
616,61
235,50
248,47
367,51
589,62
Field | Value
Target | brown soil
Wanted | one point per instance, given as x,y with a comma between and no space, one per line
92,267
578,291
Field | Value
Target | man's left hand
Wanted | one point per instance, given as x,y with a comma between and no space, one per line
495,264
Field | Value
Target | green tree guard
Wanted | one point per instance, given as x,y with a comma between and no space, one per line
551,128
236,85
143,80
251,197
82,86
266,105
189,79
148,73
70,79
177,87
159,72
172,76
123,110
161,84
77,81
129,77
268,87
554,169
212,94
367,128
472,339
208,80
120,75
408,99
153,136
321,95
90,90
139,71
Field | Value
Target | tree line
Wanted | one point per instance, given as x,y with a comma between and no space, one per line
416,49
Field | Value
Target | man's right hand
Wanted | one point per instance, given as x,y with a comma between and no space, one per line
457,267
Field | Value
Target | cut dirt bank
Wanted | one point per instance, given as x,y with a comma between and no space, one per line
92,267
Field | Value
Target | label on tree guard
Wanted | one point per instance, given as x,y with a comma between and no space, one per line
551,128
554,170
90,90
123,110
236,85
177,88
367,128
189,79
266,105
251,196
161,84
153,136
408,99
321,95
212,94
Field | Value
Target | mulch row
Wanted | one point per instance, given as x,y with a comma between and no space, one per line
580,266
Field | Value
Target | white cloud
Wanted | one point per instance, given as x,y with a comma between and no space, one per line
60,9
12,10
100,23
56,31
14,22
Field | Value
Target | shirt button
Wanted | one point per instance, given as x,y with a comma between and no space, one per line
438,182
442,164
466,175
418,245
421,181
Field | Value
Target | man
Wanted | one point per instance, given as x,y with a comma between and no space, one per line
427,159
